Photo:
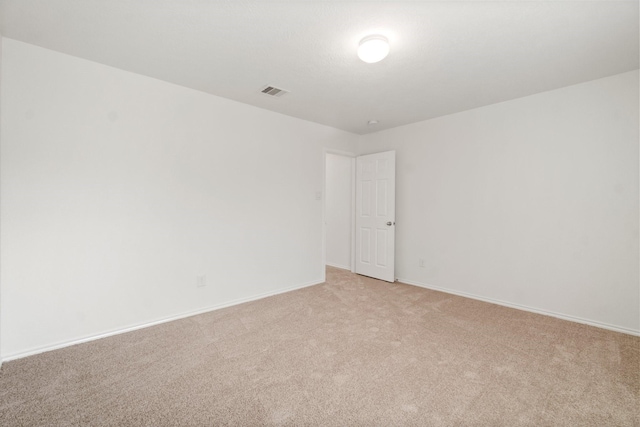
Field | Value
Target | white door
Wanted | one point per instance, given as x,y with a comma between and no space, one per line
375,215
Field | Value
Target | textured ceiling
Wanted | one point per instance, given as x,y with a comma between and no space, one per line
445,56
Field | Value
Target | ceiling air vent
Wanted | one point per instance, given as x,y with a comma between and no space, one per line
274,91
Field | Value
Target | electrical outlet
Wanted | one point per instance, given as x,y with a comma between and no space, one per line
421,262
201,281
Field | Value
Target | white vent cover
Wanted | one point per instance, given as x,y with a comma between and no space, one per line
274,91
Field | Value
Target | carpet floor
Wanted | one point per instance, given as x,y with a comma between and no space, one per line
352,351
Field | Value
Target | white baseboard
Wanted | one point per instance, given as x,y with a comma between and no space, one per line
63,344
525,308
342,267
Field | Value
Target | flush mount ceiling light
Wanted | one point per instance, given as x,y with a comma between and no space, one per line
373,48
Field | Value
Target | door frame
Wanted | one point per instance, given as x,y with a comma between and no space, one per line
352,156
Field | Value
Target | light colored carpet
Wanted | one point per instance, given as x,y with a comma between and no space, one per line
352,351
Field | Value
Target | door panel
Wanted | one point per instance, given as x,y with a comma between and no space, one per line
375,215
365,245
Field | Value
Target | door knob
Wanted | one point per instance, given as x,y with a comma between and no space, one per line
389,223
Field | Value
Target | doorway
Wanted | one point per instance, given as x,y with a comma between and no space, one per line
359,224
339,191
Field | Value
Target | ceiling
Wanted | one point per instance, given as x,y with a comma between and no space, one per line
446,56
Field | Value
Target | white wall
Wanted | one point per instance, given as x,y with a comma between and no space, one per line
338,210
531,202
118,190
0,196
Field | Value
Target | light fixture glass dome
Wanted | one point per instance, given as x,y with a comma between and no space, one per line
373,48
